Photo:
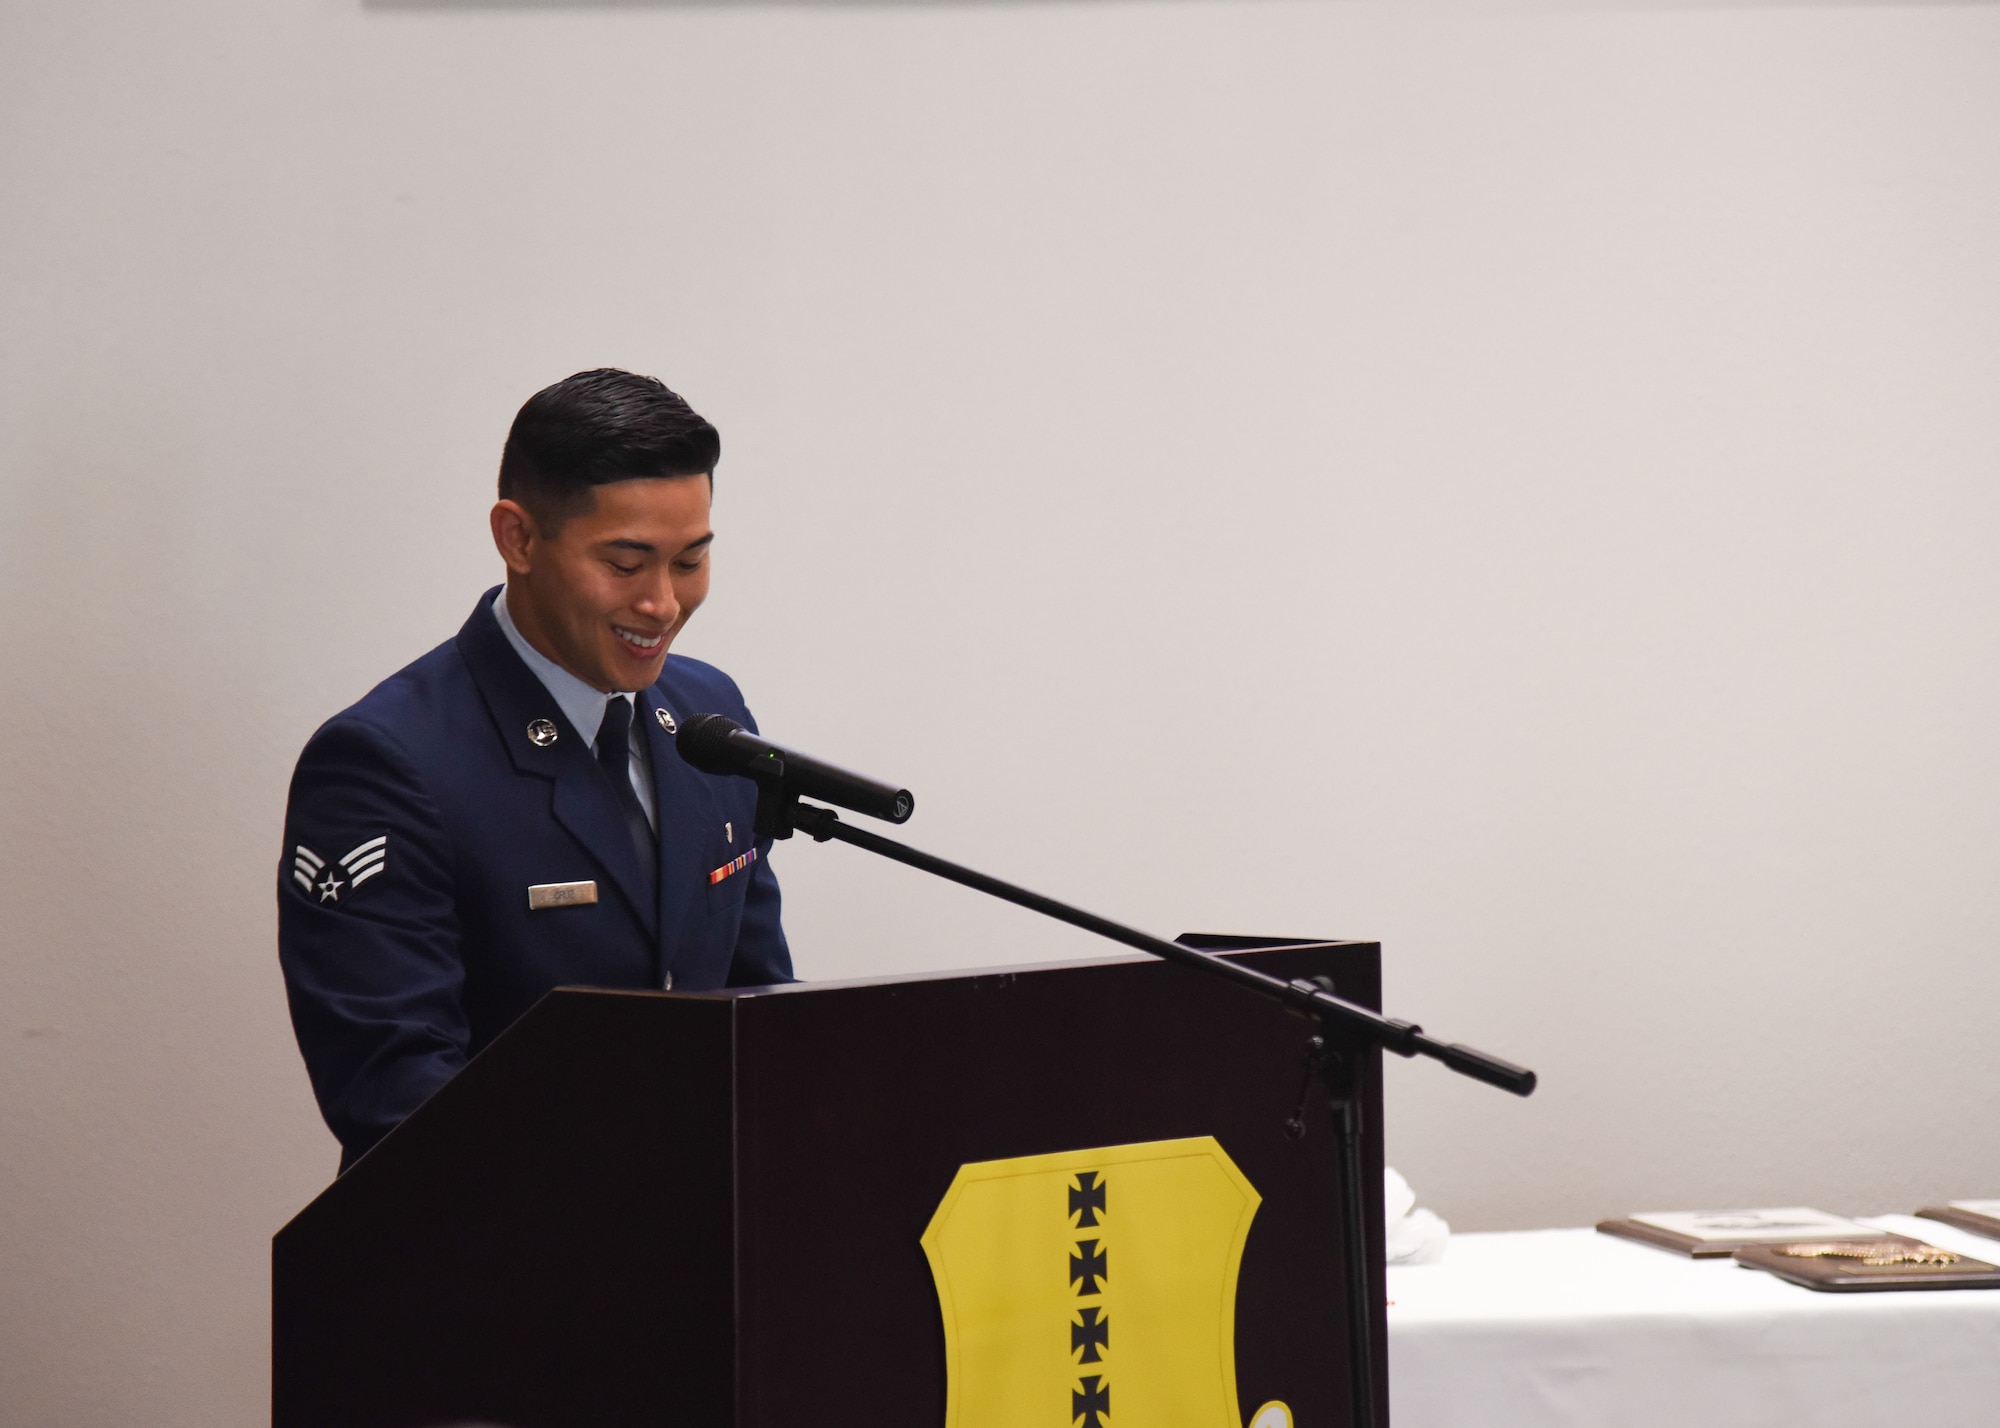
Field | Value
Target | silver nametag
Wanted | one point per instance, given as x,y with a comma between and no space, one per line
543,895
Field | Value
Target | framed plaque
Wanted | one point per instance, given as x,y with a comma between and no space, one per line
1881,1263
1718,1234
1981,1217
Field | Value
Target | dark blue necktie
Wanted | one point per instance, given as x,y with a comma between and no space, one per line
614,755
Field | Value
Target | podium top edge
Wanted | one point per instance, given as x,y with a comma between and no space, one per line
967,974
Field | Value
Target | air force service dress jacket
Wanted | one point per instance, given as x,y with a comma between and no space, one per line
418,820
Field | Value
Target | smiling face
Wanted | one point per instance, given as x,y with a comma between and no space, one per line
605,594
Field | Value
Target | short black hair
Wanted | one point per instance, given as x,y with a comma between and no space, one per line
595,428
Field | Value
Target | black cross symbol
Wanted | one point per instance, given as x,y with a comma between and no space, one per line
1091,1403
1090,1335
1086,1199
1089,1264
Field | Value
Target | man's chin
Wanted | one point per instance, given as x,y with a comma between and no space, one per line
630,675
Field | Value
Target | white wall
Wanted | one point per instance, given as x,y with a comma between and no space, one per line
1515,483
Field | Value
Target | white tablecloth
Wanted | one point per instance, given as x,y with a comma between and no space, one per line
1554,1328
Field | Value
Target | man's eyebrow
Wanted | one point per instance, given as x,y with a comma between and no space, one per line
646,547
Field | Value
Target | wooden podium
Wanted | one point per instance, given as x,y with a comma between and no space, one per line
704,1211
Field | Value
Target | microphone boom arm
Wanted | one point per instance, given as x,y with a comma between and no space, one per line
1302,998
1333,1056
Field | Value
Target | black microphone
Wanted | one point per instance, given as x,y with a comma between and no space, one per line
717,744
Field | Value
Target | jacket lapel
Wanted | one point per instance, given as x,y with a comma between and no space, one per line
686,808
581,799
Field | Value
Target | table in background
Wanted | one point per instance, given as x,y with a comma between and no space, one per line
1574,1329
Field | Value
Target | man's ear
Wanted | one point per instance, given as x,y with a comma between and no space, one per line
514,535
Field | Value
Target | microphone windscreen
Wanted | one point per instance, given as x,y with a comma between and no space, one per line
704,742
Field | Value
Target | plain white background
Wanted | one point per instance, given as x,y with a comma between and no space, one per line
1514,482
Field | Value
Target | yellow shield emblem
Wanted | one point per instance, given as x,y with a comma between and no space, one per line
1093,1287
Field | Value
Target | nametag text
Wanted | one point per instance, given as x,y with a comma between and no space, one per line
543,895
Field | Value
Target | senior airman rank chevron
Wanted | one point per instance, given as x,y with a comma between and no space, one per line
734,865
311,872
1093,1288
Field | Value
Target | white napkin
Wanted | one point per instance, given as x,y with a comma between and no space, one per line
1414,1236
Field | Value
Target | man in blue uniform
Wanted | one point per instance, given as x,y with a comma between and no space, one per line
508,814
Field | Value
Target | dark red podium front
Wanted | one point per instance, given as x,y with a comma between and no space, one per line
705,1211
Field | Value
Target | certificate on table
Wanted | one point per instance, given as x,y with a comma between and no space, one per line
1718,1234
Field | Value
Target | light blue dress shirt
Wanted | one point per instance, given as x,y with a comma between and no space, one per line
582,705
